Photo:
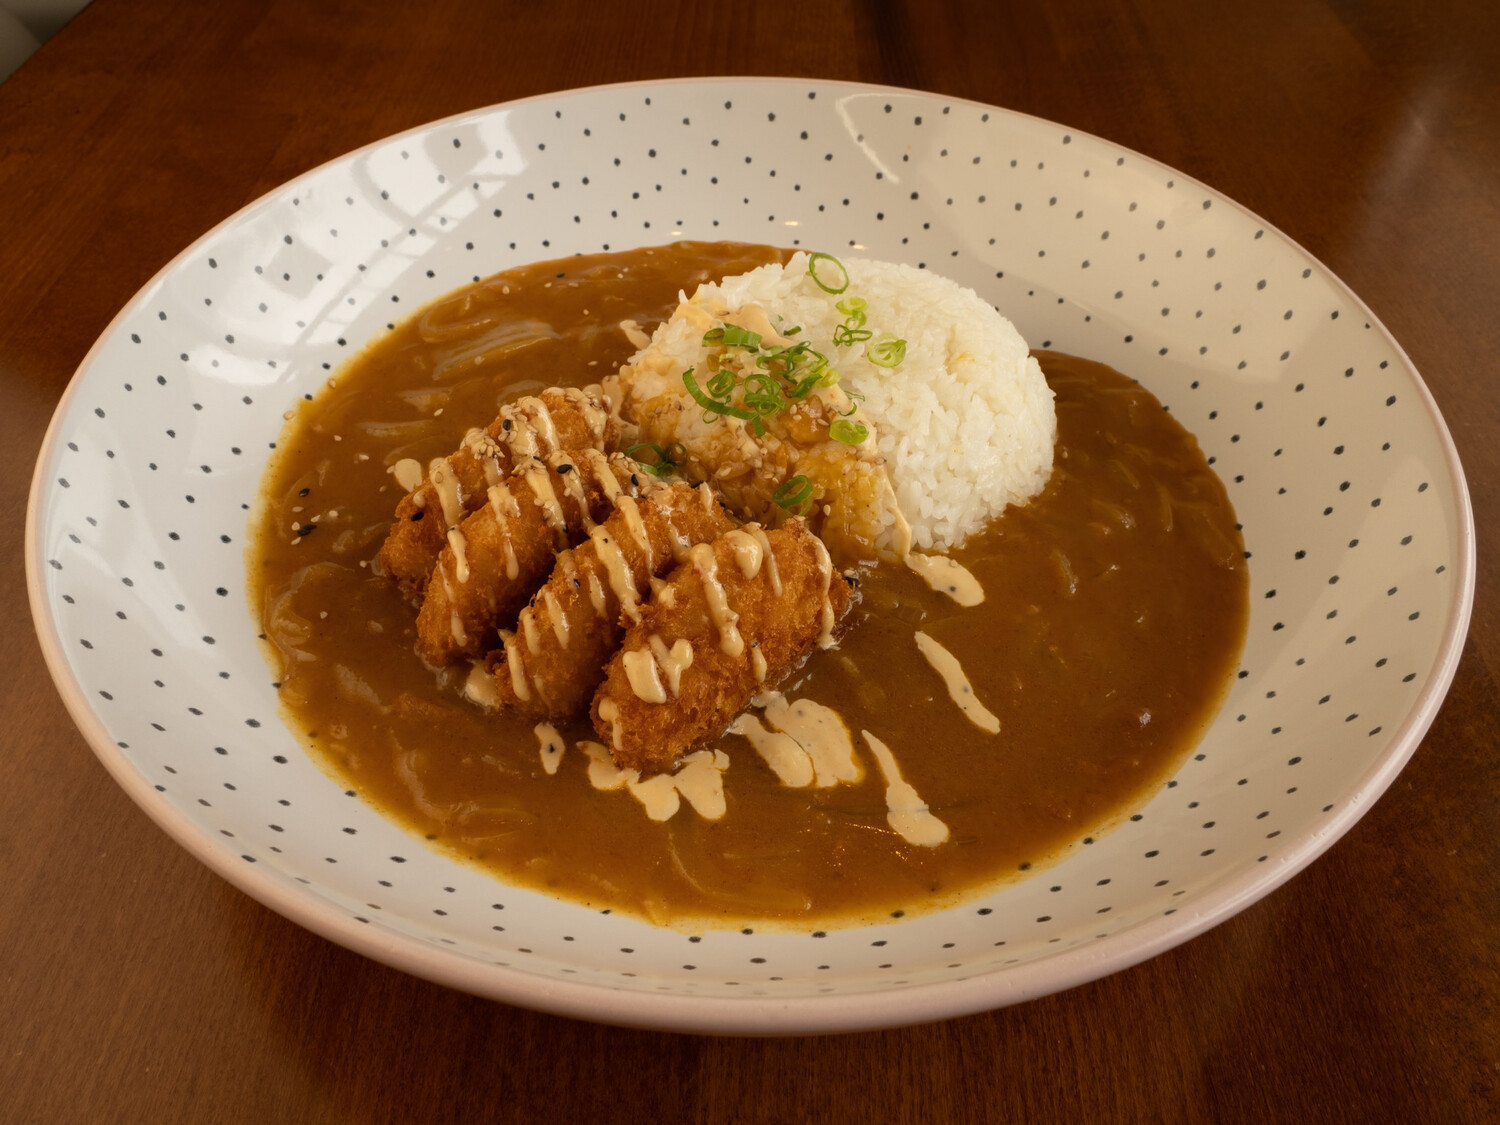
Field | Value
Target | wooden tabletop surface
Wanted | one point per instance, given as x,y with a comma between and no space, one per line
137,986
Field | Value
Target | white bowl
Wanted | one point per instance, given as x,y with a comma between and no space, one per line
1351,496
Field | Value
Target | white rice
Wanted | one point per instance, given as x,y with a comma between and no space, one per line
966,422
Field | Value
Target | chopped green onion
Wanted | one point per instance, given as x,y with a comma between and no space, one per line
794,492
763,395
855,308
712,406
887,351
850,433
666,460
803,388
733,336
840,283
722,384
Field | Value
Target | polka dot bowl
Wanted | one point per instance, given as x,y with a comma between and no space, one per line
1352,501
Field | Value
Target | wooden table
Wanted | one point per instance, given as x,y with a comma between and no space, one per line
136,986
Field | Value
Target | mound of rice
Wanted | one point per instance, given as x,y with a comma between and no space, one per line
965,424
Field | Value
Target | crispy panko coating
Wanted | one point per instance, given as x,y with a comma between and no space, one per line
497,558
733,620
554,660
549,667
555,420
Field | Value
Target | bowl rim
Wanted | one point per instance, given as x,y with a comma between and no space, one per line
821,1014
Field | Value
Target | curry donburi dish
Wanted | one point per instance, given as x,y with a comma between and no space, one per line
714,583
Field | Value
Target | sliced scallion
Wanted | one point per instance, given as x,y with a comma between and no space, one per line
794,493
850,433
886,351
667,458
834,277
712,406
732,336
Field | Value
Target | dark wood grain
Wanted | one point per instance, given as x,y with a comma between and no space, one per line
136,986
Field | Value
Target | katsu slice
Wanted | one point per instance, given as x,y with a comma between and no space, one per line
497,558
567,419
550,666
734,620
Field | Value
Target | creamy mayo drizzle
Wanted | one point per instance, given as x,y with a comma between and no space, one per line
455,622
408,473
632,513
699,779
596,594
504,503
573,486
518,681
604,470
940,573
825,568
947,577
791,764
528,624
445,484
672,661
758,663
460,554
552,746
540,480
678,542
610,714
748,552
532,431
633,333
724,618
906,812
560,627
479,686
816,732
640,670
486,451
621,581
946,665
773,572
644,668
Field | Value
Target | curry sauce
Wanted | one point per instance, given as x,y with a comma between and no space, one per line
1113,613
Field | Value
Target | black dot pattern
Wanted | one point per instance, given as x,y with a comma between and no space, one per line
1320,430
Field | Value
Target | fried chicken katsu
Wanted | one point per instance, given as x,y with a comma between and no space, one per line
549,666
498,557
555,420
733,620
